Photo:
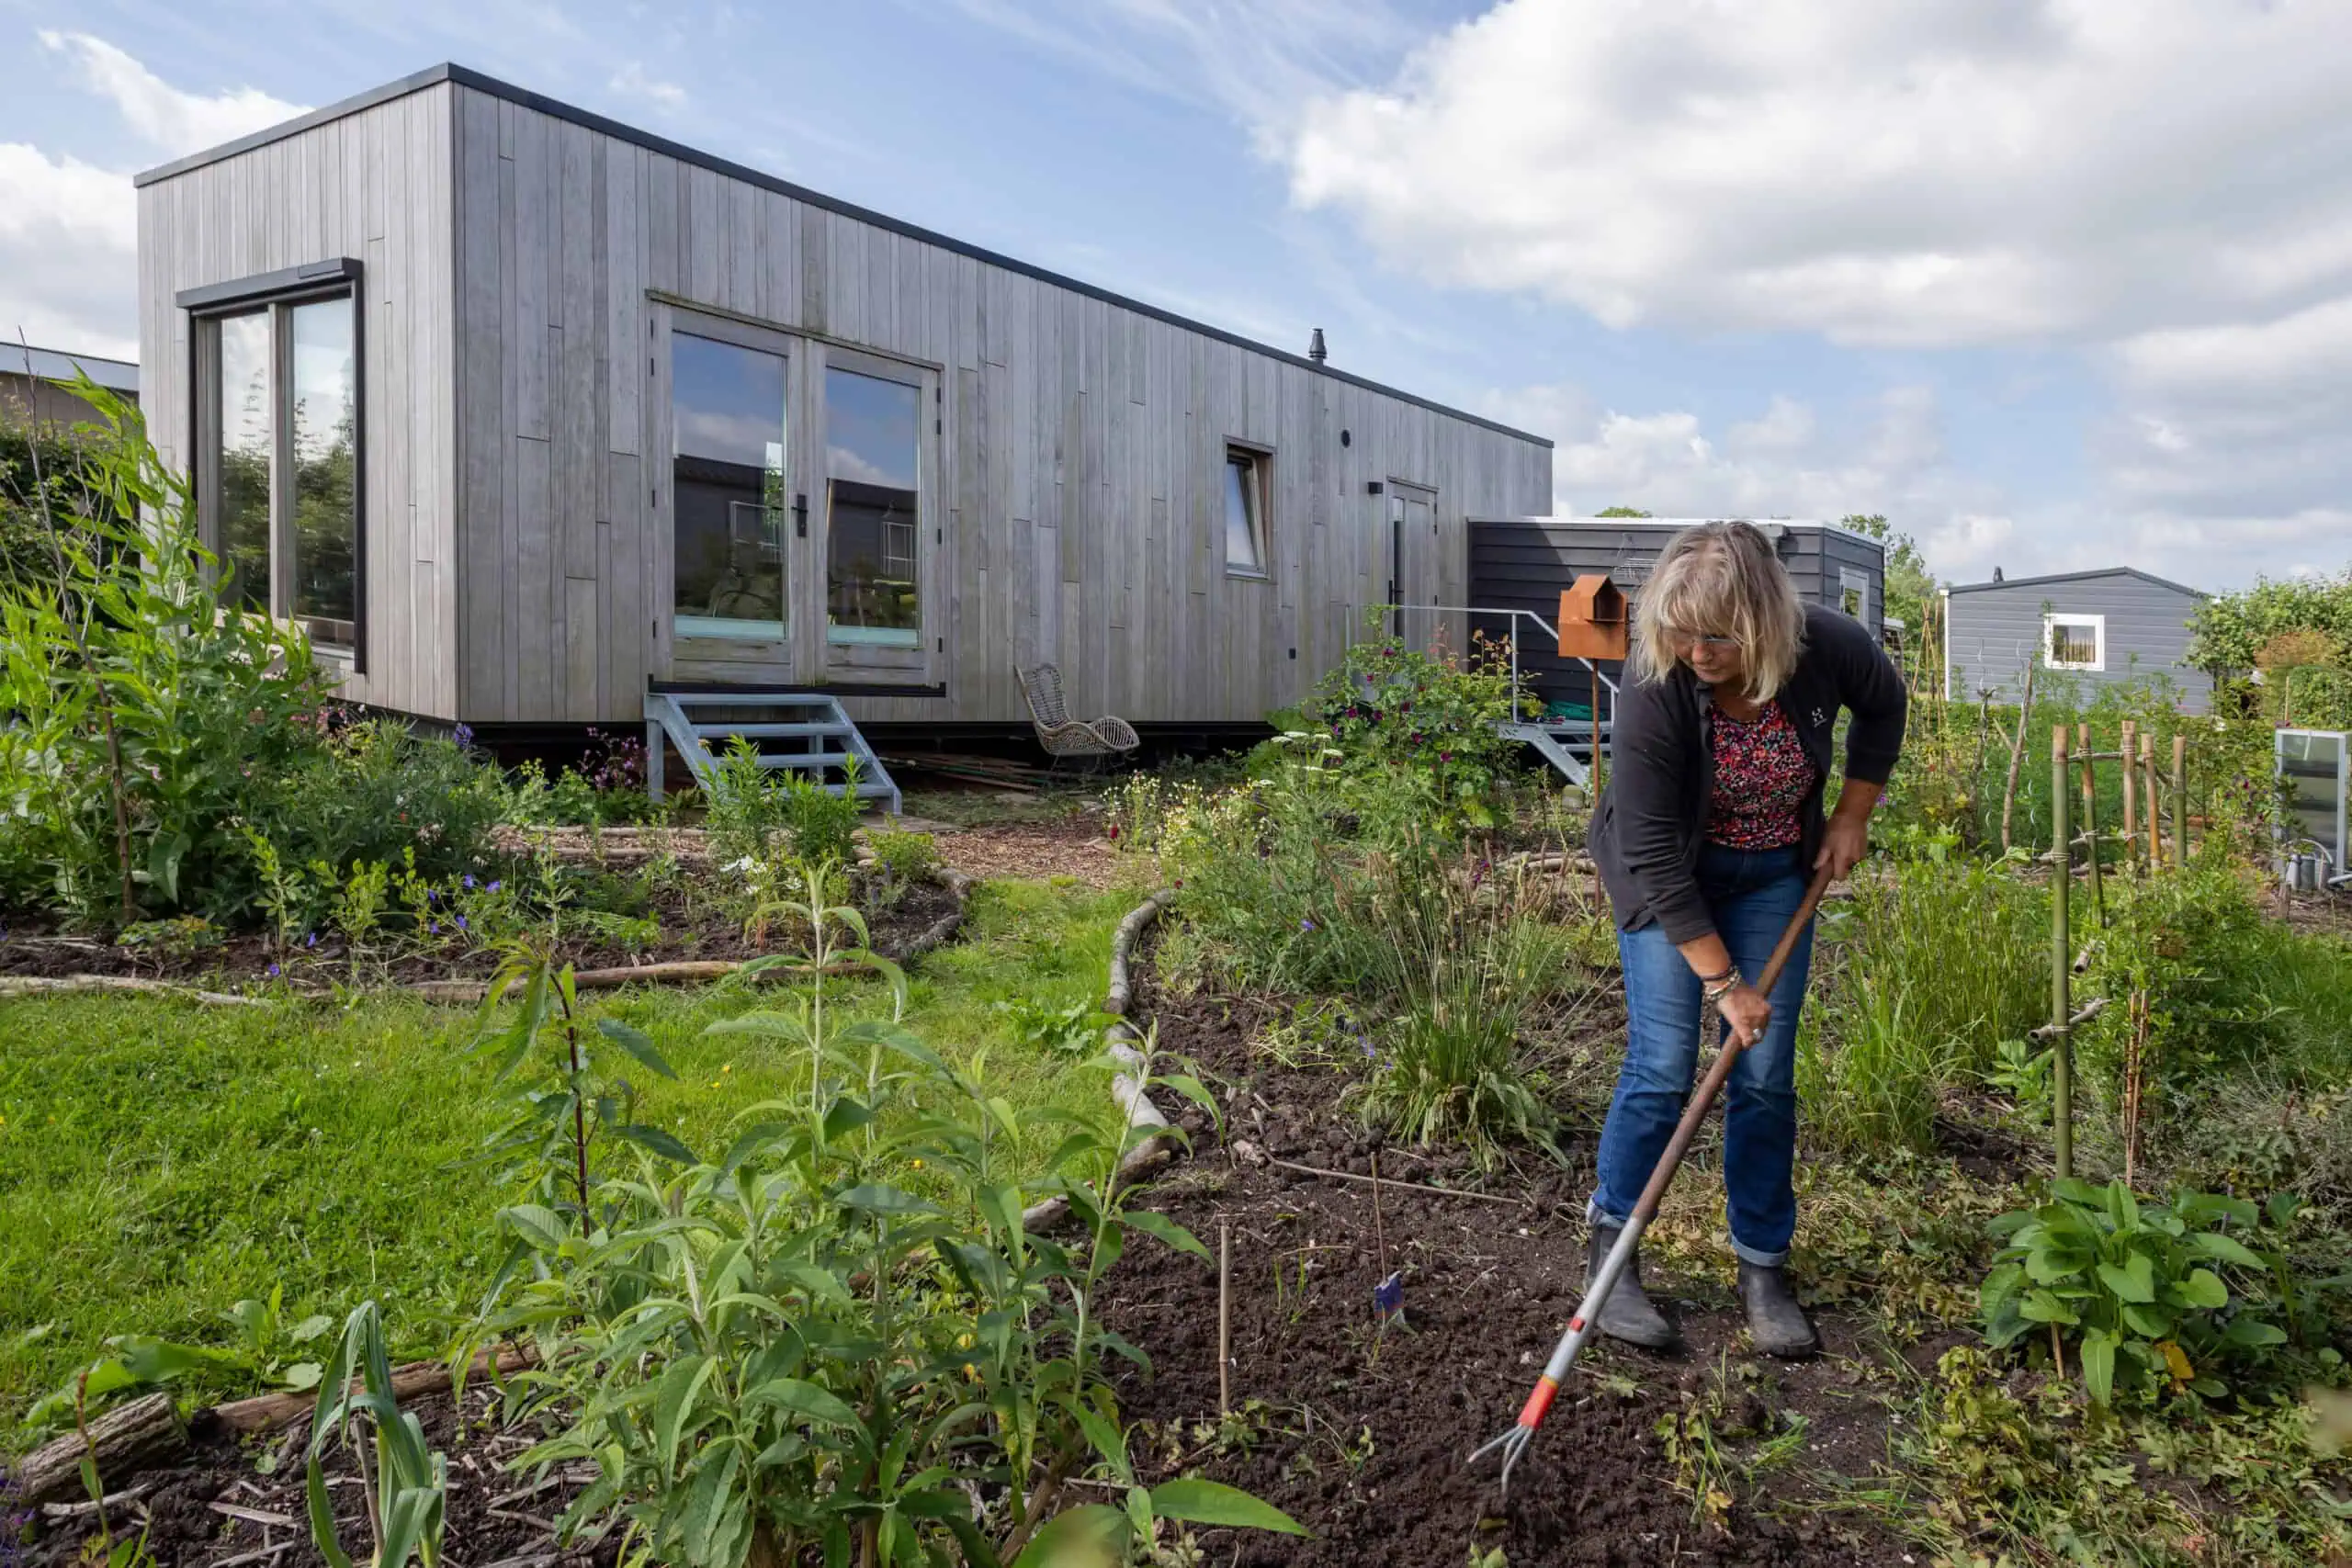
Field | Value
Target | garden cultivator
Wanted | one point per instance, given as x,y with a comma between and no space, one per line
1514,1442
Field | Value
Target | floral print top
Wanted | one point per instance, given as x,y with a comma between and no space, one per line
1761,778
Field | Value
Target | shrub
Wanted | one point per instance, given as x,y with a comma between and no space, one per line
144,708
2141,1289
902,858
1389,705
761,813
379,792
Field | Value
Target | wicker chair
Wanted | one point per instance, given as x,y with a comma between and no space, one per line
1066,738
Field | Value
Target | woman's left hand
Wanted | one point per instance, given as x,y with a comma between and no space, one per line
1845,844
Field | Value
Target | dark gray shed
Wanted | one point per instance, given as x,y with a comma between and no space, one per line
2096,627
1524,563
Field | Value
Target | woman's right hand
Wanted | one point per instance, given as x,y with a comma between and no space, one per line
1748,1010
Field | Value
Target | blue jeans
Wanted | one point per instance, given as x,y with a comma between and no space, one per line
1752,894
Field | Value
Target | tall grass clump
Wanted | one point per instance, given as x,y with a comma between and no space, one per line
1917,981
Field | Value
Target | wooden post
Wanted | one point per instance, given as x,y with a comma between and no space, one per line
2132,802
2090,817
2180,800
2017,752
2148,771
2062,877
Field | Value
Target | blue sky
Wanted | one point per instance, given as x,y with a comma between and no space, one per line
2047,291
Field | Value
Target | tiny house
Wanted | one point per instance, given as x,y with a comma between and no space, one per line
1526,563
526,413
2097,629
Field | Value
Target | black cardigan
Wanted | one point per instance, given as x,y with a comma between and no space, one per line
1653,816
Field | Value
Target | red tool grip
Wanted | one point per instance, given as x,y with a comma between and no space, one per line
1531,1415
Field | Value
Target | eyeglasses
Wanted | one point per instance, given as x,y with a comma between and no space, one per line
1687,639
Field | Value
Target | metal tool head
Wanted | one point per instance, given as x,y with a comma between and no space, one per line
1511,1445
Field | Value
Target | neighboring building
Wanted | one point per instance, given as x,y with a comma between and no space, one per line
1523,563
27,397
523,411
2096,627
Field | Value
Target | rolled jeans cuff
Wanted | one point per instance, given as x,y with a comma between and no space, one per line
1594,1214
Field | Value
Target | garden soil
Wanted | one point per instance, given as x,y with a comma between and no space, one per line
494,1516
1360,1430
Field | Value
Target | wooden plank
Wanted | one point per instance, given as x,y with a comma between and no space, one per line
482,627
583,698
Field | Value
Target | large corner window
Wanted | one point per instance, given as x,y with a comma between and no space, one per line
278,451
729,488
873,513
2074,642
1245,511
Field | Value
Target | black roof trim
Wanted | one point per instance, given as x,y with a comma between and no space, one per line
2080,577
463,76
338,271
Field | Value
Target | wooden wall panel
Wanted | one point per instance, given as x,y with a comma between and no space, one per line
378,186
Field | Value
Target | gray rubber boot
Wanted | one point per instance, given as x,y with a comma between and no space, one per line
1628,1315
1775,1322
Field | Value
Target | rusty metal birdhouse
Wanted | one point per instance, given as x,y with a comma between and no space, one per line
1592,619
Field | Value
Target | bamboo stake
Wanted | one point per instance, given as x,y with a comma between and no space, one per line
1379,1229
2180,800
2134,1082
2062,880
2016,755
2131,803
2148,768
1224,1316
2090,817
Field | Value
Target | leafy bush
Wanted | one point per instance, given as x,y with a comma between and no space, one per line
761,814
145,707
902,858
2141,1289
788,1354
1389,705
379,793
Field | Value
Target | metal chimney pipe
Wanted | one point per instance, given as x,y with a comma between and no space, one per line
1315,349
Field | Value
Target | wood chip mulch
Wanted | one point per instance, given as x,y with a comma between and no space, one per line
1075,848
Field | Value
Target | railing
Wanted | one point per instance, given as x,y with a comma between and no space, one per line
1551,633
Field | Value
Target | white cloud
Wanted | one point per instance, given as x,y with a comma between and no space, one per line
69,229
173,121
632,81
1955,172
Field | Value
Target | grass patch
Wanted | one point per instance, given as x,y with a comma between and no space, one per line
158,1162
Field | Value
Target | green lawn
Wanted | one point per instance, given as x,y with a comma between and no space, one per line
160,1161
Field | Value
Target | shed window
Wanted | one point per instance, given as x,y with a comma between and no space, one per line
2074,642
1854,593
278,460
1245,511
873,508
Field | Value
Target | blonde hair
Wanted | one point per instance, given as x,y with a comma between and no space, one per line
1721,579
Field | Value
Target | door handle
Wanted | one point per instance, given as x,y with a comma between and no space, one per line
800,515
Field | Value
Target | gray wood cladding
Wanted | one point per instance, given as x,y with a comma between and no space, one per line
521,266
373,185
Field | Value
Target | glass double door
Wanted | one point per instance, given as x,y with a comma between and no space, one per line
802,524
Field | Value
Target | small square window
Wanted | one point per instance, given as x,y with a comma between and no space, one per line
2074,642
1245,511
1854,594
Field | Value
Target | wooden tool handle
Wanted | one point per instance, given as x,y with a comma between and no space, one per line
1712,1085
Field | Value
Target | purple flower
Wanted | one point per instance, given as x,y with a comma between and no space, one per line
465,734
434,926
469,881
311,939
461,922
273,971
494,886
1305,924
432,895
1389,1295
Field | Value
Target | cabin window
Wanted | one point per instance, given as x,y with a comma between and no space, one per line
1854,593
279,475
1245,511
729,411
2074,642
873,513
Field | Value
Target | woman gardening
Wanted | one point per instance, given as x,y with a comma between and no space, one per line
1709,828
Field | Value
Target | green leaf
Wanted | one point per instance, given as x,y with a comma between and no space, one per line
2098,1365
1092,1535
407,1519
845,1117
806,1400
1106,1438
1165,1229
537,1224
637,1043
666,1144
1192,1088
2203,1288
2048,1265
2151,1322
2247,1332
709,1502
1199,1501
2226,1249
881,1198
2134,1282
323,1534
674,1405
2041,1306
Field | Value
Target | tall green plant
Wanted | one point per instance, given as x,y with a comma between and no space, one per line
406,1487
144,703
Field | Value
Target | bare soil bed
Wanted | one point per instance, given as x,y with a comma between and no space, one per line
218,1508
1362,1432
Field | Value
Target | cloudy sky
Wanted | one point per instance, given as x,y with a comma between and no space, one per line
2050,284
